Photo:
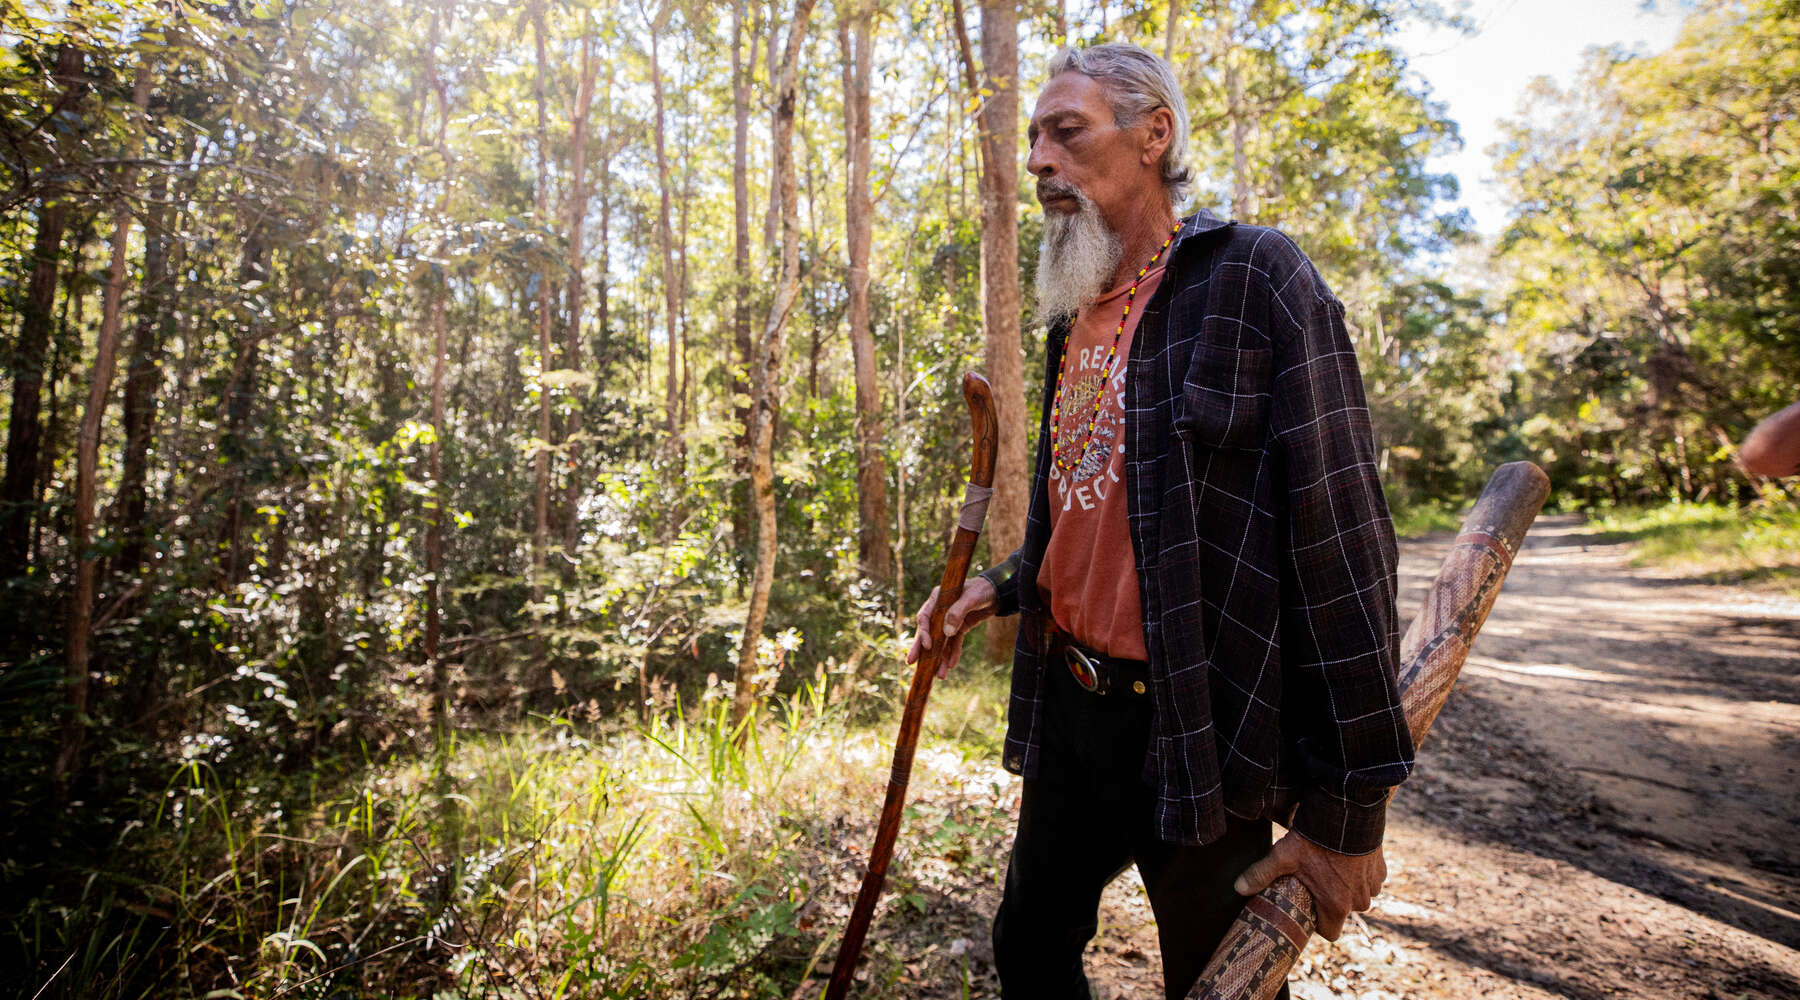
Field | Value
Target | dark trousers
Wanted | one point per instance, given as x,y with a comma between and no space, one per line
1085,817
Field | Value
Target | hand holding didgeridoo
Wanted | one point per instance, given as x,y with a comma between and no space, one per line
1253,960
929,657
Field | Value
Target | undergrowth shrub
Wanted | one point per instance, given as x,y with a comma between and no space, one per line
651,861
1714,543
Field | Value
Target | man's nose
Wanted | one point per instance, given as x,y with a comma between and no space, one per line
1037,164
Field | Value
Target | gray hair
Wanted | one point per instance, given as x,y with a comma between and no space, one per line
1137,82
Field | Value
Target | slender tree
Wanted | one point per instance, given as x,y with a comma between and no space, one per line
1004,349
874,548
665,232
578,206
769,358
142,375
437,292
24,430
87,462
540,532
741,71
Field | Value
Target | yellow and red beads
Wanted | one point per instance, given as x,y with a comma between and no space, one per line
1106,370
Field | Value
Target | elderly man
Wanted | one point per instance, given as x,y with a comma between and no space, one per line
1207,579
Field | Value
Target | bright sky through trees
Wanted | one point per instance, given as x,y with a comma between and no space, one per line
1483,76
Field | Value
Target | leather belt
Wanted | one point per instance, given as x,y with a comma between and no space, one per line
1098,673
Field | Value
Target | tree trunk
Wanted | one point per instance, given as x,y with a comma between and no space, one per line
1225,50
688,401
434,512
665,232
602,286
155,327
1240,163
437,278
65,355
141,379
240,392
769,353
815,332
741,282
540,531
1005,354
87,463
578,199
771,216
874,549
24,434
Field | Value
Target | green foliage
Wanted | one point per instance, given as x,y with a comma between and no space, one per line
1652,250
1711,542
1425,519
646,862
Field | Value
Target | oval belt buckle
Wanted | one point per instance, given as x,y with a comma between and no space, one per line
1086,673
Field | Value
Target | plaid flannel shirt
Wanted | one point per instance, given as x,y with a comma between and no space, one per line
1265,554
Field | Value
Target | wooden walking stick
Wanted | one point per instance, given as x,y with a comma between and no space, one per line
956,566
1253,960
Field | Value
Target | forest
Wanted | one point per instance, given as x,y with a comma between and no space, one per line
471,466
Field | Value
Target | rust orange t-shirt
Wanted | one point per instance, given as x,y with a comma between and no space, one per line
1089,574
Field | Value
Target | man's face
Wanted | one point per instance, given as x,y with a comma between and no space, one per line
1074,142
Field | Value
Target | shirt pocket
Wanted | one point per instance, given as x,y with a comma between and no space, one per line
1225,398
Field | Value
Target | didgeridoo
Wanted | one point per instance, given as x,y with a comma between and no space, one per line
1253,960
980,398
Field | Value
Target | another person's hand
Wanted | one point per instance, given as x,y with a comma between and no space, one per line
1773,448
1339,883
977,604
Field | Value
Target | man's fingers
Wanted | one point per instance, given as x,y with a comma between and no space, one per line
924,631
1257,877
1331,899
1330,928
952,653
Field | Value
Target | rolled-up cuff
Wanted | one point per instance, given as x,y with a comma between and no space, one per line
1338,824
1004,576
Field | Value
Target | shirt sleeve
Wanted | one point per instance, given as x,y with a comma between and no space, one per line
1339,631
1004,575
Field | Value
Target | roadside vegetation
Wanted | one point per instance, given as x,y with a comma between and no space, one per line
683,857
1420,520
1756,544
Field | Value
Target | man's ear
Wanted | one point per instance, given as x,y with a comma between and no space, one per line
1159,131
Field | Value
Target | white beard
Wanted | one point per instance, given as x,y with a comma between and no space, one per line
1076,260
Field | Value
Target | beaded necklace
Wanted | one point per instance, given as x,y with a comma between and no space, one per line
1106,370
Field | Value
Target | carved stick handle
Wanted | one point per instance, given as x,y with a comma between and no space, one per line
980,398
1253,960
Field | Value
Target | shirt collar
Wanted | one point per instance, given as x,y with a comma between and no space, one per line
1202,221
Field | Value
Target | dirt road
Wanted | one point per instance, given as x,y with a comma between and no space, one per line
1609,806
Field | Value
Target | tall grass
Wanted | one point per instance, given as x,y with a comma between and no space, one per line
1419,520
1718,544
679,858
